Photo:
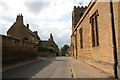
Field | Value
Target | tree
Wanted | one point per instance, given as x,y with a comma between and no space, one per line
51,50
64,49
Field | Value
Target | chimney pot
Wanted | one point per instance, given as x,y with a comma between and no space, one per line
35,32
28,26
19,18
74,7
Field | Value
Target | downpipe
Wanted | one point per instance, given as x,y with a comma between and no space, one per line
114,41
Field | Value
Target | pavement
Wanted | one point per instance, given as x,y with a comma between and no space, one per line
83,70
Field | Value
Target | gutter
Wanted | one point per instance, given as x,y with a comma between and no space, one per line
114,40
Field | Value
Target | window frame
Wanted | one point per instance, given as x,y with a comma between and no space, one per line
81,37
94,29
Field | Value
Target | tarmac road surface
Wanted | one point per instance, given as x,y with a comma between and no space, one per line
54,67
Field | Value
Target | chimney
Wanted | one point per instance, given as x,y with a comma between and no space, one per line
19,18
36,32
51,37
28,26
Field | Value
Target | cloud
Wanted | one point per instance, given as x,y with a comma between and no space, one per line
6,18
45,16
4,26
36,7
3,5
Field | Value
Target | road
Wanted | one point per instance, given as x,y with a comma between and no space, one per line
56,67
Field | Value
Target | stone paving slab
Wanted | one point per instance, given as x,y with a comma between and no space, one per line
83,70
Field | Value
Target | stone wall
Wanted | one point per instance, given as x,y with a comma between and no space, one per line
101,56
15,51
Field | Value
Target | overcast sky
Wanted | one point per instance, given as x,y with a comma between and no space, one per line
45,16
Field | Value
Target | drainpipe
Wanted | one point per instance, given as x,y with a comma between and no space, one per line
76,44
114,40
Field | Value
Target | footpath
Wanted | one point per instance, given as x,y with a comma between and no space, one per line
83,70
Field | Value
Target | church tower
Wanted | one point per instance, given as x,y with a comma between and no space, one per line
77,14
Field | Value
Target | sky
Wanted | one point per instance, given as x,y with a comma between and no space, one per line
44,16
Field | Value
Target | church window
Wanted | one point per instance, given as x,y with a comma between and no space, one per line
81,38
94,29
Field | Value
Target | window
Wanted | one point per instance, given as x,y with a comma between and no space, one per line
76,40
75,21
81,38
94,29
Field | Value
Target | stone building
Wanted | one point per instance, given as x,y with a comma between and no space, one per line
91,39
19,31
50,43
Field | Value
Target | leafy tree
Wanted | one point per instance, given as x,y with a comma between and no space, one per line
51,50
43,48
64,49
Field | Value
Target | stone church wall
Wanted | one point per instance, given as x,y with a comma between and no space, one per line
101,56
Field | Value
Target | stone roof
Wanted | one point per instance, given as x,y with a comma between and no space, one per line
33,34
19,22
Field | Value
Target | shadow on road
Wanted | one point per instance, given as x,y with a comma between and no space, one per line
29,70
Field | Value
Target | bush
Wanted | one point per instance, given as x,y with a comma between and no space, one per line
42,49
47,49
